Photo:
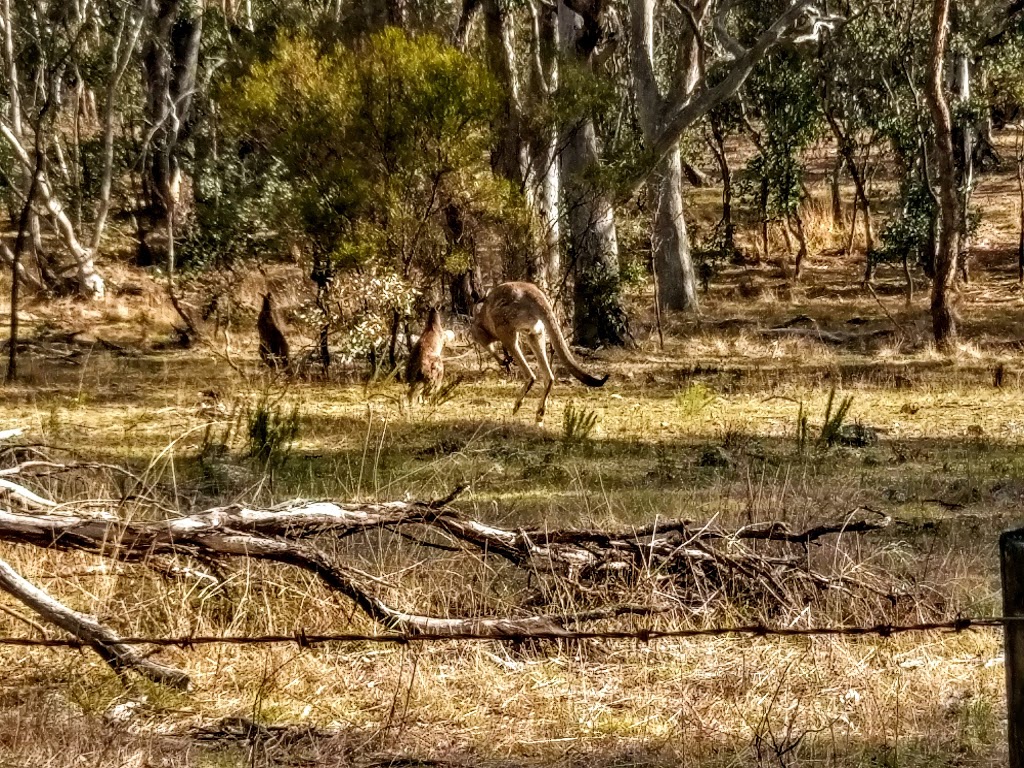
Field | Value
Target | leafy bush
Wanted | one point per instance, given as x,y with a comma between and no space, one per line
375,145
910,233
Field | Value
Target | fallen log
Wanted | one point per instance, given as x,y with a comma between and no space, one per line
211,536
564,550
698,558
100,638
278,534
827,337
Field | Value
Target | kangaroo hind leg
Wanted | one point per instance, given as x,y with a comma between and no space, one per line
517,354
538,344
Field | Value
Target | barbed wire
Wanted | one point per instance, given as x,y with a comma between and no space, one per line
647,635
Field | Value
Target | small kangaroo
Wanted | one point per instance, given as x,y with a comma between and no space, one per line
512,311
425,368
273,345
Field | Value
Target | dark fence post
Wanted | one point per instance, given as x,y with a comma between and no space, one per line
1011,556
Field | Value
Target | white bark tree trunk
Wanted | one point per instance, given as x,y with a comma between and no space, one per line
677,281
673,261
17,136
543,182
90,283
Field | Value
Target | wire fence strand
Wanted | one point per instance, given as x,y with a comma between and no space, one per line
647,635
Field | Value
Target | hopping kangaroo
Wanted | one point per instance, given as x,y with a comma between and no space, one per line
513,311
426,363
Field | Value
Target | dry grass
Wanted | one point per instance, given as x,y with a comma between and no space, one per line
947,466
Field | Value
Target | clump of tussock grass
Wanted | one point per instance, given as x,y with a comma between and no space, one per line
835,418
578,424
272,428
694,399
831,432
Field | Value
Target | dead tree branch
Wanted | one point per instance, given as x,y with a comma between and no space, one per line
98,637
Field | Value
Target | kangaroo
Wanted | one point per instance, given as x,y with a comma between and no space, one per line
425,369
515,310
273,345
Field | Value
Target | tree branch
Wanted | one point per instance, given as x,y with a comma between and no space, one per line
101,639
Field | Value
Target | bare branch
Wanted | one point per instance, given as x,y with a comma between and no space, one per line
101,639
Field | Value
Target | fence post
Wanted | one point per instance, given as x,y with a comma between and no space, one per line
1011,556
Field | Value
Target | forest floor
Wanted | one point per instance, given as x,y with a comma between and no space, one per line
703,426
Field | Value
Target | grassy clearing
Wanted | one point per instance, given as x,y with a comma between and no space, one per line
707,428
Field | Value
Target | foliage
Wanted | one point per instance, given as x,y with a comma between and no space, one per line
910,233
711,252
374,143
802,430
1005,86
599,304
783,93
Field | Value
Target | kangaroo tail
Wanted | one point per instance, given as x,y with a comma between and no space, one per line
562,347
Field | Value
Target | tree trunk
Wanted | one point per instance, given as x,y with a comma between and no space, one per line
762,202
1019,156
943,318
19,249
462,285
170,63
845,144
801,239
544,184
377,14
908,279
718,148
677,281
694,176
509,155
963,157
598,316
837,200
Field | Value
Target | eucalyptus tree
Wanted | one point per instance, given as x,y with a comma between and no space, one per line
782,92
593,247
170,58
943,318
521,49
853,59
712,55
